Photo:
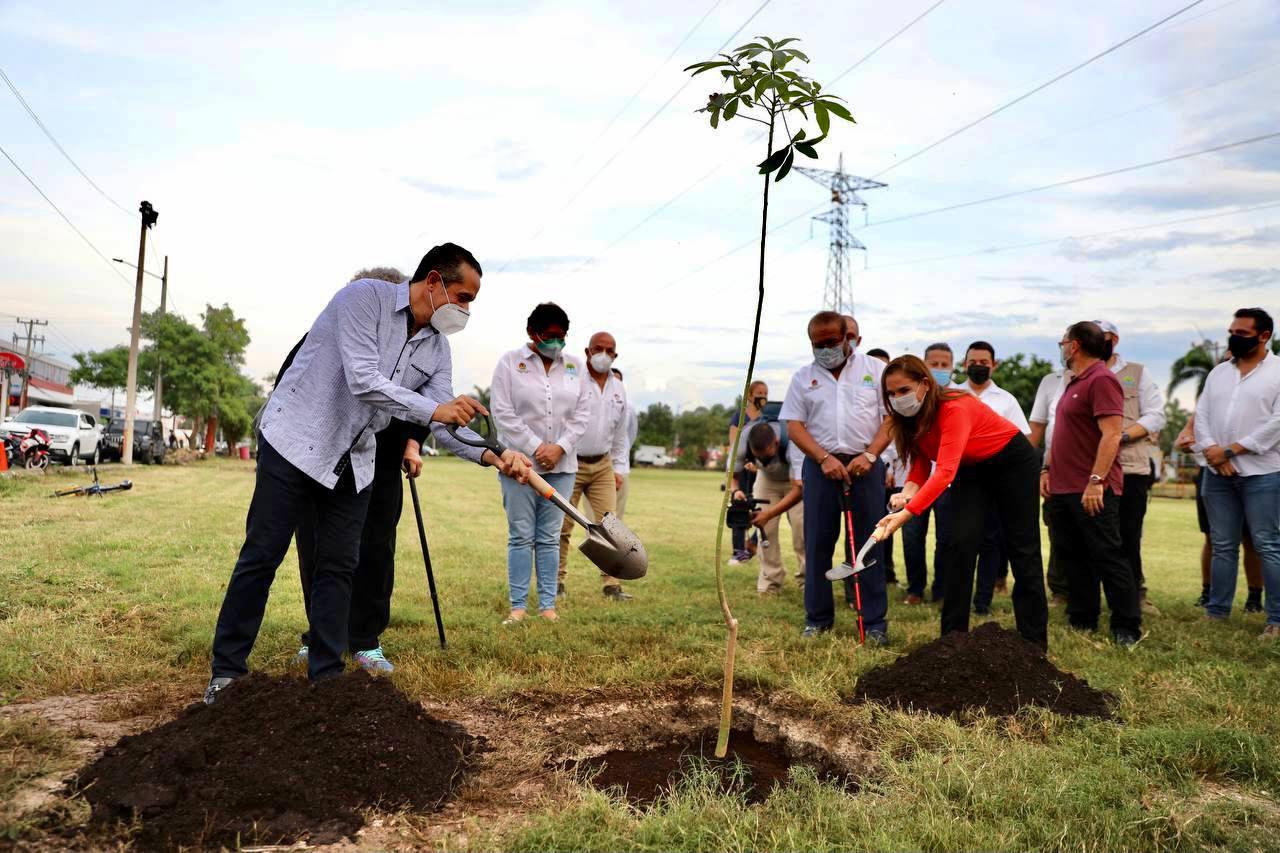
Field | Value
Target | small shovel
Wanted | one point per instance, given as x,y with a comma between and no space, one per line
845,570
610,544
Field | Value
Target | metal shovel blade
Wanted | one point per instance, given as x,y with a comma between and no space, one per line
615,549
845,570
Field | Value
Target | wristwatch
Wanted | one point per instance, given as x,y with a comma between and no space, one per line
1125,438
871,457
1229,453
1094,479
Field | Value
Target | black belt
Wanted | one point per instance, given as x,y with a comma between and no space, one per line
591,460
846,458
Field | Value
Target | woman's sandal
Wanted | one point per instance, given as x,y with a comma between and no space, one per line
550,615
516,616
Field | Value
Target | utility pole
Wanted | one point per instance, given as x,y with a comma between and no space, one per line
844,192
149,217
164,295
31,338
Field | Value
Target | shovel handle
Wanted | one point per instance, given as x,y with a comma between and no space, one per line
543,488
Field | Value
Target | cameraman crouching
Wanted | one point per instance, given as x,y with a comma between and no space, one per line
777,487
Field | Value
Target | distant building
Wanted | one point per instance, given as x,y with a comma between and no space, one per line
50,381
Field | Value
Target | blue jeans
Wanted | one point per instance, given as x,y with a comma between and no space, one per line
533,530
1230,502
823,520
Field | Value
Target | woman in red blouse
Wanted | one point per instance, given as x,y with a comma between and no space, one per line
986,461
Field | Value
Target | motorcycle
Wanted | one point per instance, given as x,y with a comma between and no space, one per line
28,451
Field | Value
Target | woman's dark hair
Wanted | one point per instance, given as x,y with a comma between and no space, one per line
446,260
877,353
906,431
545,315
1088,335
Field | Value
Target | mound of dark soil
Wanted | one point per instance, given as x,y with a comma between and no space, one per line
989,669
276,760
646,774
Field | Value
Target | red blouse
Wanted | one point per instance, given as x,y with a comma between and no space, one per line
966,431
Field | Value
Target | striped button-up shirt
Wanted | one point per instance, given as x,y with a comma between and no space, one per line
357,369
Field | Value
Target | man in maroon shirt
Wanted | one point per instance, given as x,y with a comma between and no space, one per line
1082,483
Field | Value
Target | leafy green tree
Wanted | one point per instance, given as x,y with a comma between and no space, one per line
482,394
1020,376
656,425
760,87
1175,419
106,369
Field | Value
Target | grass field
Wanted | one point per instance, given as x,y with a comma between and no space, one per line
97,596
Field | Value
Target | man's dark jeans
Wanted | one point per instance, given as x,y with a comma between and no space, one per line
281,494
375,576
1089,551
1133,511
823,522
992,562
914,534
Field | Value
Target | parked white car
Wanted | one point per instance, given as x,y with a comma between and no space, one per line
73,435
652,454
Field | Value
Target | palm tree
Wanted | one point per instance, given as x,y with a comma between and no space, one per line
482,394
1194,366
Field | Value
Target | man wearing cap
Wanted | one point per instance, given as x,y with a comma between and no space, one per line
1143,419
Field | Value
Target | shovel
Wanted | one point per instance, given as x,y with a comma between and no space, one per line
844,570
611,545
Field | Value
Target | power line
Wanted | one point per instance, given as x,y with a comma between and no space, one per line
57,144
66,219
917,19
953,134
643,127
1080,180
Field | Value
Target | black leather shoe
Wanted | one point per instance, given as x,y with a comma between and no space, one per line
616,593
1125,640
812,631
877,638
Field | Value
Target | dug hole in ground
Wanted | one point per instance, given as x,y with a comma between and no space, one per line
279,761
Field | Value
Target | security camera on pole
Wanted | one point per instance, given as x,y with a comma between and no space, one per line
149,217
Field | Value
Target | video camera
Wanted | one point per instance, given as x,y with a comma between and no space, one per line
738,516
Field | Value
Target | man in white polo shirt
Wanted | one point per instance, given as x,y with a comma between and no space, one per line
835,415
602,450
1143,419
979,364
1238,430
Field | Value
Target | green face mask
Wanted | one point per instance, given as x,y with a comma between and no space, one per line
550,347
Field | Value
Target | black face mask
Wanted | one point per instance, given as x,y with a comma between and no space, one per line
759,402
979,374
1242,345
1108,349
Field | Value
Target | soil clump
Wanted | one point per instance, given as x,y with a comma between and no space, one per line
988,669
276,760
752,767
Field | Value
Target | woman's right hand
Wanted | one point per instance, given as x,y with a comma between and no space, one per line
898,501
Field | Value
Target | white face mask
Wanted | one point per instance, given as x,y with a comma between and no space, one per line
907,405
830,357
448,318
601,362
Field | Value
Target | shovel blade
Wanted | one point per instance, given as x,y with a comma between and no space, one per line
615,550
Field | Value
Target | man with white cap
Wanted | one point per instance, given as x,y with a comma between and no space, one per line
1143,419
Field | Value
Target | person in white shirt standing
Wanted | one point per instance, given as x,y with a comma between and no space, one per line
540,405
836,416
993,566
602,450
1143,419
1041,420
1238,431
633,429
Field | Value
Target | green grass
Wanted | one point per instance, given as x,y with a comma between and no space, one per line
97,595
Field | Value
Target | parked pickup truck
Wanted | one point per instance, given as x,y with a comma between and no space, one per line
148,441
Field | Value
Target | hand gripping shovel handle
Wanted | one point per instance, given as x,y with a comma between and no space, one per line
426,557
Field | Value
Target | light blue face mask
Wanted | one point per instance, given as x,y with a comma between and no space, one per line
830,357
942,377
551,347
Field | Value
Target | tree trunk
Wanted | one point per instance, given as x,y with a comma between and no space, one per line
211,433
731,647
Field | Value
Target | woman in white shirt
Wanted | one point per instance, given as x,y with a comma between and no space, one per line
540,406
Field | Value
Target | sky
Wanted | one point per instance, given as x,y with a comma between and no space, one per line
287,145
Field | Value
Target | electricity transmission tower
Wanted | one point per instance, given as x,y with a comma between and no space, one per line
844,192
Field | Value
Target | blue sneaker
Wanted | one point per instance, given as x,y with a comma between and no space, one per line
302,657
373,660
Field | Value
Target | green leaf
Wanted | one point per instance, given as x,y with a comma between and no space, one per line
806,148
731,109
838,109
715,116
750,45
824,119
786,164
799,54
770,42
761,84
705,66
786,41
774,160
799,135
